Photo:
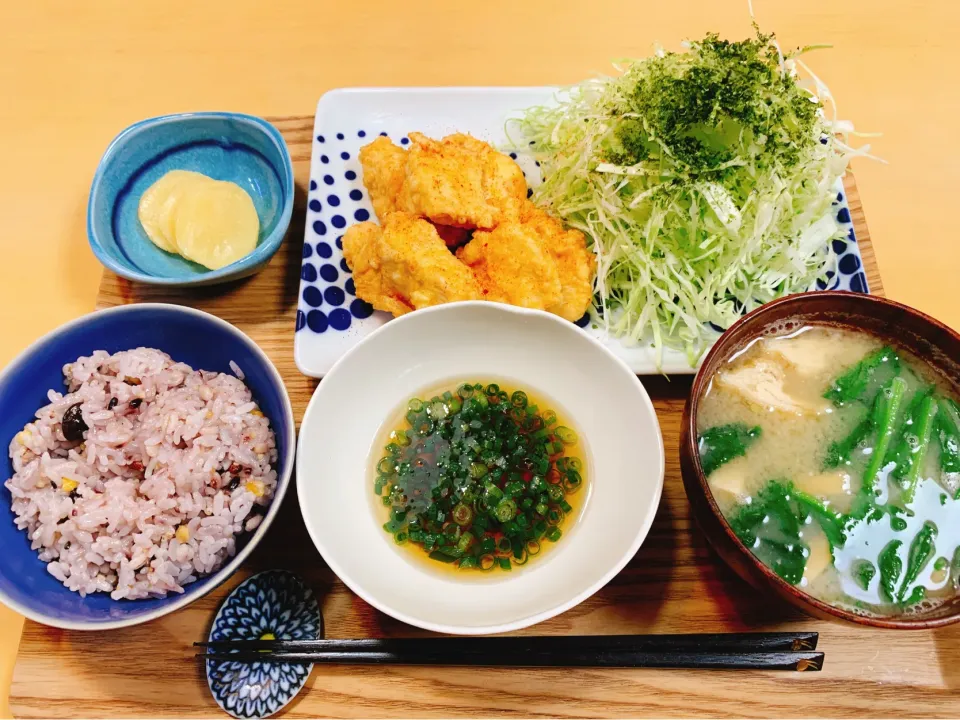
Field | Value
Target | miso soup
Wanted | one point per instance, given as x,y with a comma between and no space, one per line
478,476
836,459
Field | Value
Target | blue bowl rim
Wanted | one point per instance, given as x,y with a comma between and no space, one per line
260,255
202,586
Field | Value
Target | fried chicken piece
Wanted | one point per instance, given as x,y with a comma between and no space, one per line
458,181
384,169
404,265
576,264
514,265
535,263
461,181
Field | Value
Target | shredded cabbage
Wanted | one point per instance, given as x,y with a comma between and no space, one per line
704,180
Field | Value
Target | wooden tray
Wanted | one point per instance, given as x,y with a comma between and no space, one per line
674,584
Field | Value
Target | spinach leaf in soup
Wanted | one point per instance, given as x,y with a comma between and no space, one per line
770,527
853,383
721,444
921,552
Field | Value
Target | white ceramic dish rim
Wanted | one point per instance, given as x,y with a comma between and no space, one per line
224,573
529,620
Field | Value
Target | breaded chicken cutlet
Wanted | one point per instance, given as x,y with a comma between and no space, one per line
458,181
404,265
441,191
535,263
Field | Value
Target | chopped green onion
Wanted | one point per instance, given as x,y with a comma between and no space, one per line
442,557
462,514
519,399
566,435
573,481
505,510
487,562
553,534
415,405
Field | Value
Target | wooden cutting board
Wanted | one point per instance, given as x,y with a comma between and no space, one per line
674,584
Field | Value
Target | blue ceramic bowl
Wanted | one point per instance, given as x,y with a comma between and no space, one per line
225,146
191,336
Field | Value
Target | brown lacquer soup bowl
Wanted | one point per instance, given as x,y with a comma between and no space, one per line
892,323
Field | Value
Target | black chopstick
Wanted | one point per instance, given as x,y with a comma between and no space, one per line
619,658
772,651
731,642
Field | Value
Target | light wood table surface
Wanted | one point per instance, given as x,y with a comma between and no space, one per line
74,75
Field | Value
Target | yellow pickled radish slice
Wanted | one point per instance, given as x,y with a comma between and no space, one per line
215,224
157,208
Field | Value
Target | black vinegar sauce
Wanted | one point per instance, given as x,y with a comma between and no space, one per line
479,476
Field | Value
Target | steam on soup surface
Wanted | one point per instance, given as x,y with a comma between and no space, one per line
479,476
836,460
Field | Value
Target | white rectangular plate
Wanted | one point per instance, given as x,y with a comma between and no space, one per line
330,319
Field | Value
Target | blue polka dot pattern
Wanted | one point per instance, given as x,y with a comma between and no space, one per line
344,266
858,283
312,296
339,136
334,296
328,179
308,273
350,175
350,287
344,156
843,215
849,264
313,184
333,200
338,222
301,320
362,215
317,321
320,138
361,133
340,243
583,321
319,227
329,273
316,205
324,159
839,247
324,250
307,250
340,319
405,141
356,195
361,309
383,134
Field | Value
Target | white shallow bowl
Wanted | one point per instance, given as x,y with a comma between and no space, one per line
475,340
